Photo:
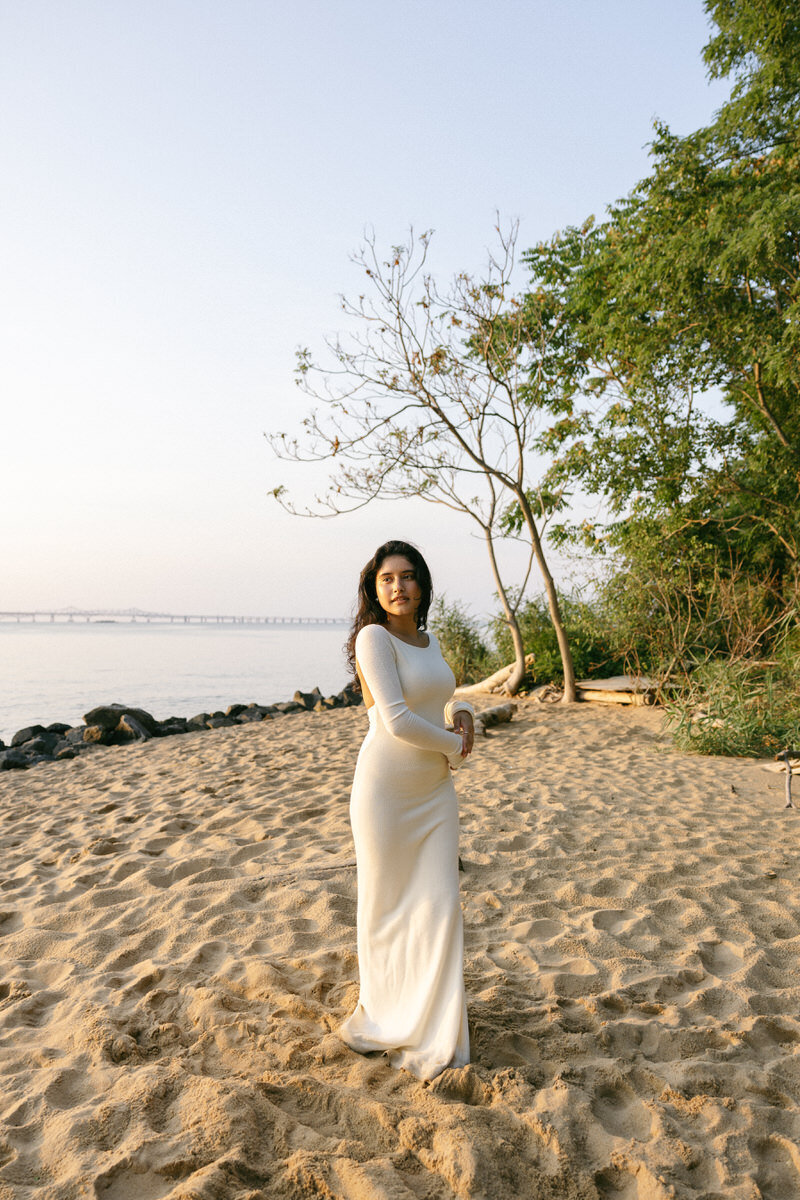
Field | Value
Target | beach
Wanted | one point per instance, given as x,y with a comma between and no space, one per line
177,925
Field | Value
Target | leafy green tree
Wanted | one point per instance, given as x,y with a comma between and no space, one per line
691,285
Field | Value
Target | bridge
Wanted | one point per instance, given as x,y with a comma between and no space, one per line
113,616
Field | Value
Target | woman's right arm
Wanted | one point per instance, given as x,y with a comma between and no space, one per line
378,667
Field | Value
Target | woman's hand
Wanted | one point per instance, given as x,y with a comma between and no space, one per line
464,724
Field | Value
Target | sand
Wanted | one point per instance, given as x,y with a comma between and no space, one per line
177,929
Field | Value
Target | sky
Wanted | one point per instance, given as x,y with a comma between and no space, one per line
182,186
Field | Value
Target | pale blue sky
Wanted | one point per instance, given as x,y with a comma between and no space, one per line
182,184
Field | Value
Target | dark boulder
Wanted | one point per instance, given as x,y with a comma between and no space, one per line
198,722
74,735
307,699
13,759
248,718
350,695
57,727
220,722
43,743
26,734
131,730
64,751
172,726
95,734
107,716
233,710
289,706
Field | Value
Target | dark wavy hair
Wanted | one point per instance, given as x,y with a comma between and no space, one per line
369,611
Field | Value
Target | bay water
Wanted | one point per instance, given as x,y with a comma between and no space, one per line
57,672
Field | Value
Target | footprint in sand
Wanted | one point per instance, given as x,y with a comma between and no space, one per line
777,1167
69,1089
613,920
544,930
620,1113
130,1178
719,958
10,922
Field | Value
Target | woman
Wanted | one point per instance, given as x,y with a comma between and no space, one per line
404,815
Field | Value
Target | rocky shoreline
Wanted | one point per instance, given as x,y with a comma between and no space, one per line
122,724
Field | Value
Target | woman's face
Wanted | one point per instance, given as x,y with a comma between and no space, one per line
396,587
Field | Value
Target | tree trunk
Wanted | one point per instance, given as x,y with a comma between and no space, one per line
512,684
570,691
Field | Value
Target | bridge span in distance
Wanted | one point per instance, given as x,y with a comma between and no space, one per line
133,616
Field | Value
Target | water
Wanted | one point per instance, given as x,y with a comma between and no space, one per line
57,672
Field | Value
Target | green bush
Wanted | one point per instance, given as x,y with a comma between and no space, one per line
459,636
748,709
591,640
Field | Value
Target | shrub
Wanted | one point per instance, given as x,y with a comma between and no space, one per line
591,640
745,708
460,639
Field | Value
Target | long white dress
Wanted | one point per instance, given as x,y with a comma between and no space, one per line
404,815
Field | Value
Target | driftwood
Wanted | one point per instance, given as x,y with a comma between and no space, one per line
495,683
787,756
620,689
594,697
499,715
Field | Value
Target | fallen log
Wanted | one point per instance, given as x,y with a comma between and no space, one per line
501,714
620,689
494,683
597,697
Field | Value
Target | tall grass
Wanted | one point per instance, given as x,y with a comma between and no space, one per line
744,708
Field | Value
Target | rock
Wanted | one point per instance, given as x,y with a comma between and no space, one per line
289,706
43,743
198,722
95,734
26,734
13,759
65,752
233,710
57,727
107,716
72,736
307,699
171,726
248,718
131,730
220,722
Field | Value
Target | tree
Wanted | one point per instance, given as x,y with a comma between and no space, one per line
432,397
692,284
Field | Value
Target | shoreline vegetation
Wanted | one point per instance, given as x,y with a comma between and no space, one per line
741,703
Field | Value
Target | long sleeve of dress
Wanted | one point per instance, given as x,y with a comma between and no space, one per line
378,666
456,706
